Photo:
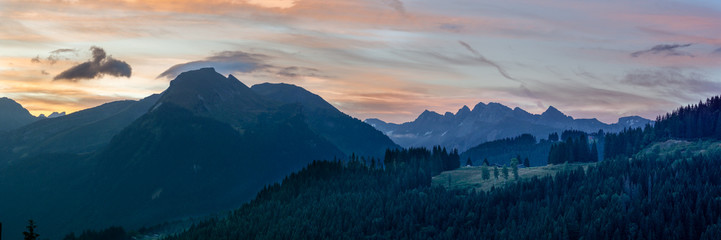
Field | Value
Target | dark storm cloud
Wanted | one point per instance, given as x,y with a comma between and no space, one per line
98,66
239,61
484,60
667,49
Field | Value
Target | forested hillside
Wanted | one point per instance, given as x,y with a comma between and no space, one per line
639,199
700,121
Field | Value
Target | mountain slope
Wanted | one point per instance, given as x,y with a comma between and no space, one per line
13,115
208,144
349,134
487,122
172,163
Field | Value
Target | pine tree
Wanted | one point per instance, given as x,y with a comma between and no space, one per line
514,166
526,163
30,233
495,172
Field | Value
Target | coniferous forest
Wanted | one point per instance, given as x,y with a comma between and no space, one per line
639,199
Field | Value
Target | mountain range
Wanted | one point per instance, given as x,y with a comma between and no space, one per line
208,143
487,122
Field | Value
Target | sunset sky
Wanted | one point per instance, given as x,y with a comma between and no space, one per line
388,59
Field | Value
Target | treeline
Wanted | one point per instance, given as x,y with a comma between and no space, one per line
434,161
700,121
574,148
112,233
640,199
502,151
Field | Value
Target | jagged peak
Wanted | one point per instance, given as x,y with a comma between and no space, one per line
56,114
552,111
209,93
205,76
464,110
428,115
479,107
374,120
520,110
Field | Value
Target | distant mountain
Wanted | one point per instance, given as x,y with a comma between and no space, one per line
488,122
13,115
349,134
208,143
53,115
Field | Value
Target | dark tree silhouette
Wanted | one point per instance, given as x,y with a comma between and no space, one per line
30,234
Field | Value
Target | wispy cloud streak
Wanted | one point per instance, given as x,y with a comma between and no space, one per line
483,59
667,49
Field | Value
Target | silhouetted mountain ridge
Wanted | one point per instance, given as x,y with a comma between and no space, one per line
83,131
487,122
206,92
